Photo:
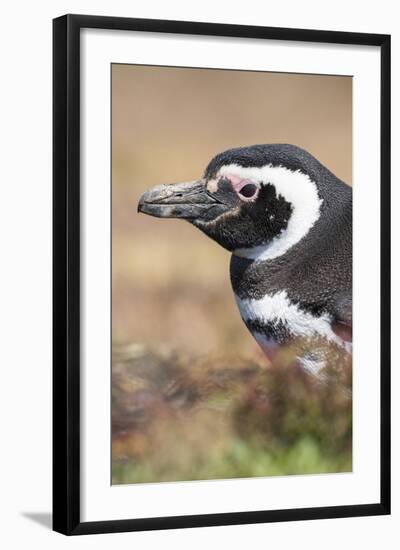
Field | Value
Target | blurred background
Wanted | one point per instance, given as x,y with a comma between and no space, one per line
175,325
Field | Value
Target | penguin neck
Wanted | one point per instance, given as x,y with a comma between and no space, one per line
256,277
252,279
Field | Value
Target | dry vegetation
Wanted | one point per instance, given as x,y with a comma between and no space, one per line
176,418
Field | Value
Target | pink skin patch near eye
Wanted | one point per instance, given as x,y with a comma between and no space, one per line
238,184
252,188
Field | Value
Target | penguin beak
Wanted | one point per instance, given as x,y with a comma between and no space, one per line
190,201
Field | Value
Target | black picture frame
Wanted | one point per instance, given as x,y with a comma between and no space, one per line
66,272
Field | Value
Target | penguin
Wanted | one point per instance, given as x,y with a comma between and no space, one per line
287,222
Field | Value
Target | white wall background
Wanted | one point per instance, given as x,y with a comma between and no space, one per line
25,301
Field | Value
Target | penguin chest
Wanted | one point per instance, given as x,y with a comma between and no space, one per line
275,321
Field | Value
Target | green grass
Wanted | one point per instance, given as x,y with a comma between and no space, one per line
241,460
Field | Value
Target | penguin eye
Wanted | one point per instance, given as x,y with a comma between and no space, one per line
248,191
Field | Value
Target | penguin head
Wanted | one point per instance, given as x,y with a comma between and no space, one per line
252,200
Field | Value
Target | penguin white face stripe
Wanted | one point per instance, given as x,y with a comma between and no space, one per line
296,188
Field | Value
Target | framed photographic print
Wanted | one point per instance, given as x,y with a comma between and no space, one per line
211,271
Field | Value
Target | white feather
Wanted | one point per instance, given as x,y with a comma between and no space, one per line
275,308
